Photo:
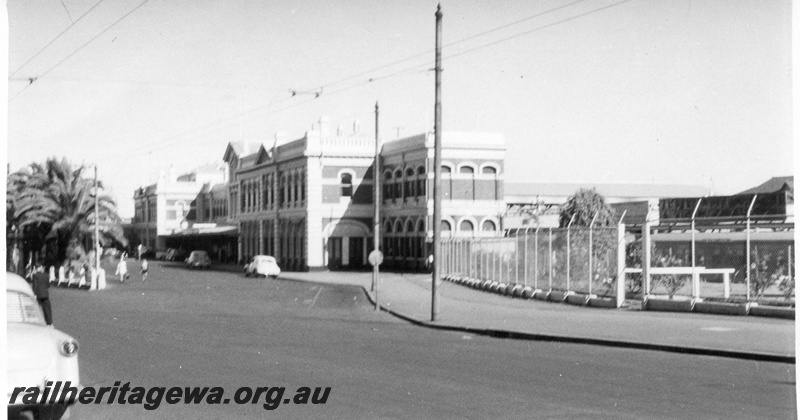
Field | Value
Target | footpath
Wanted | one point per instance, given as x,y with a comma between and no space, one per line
408,296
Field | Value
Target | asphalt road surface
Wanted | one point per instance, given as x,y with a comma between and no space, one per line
186,328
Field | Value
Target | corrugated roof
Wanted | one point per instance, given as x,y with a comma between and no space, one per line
774,184
606,190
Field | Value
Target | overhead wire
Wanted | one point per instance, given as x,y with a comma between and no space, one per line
79,49
171,140
13,73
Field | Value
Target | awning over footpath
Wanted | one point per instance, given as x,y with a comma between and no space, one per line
232,231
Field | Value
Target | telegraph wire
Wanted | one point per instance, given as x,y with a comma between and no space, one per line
495,29
80,48
419,68
54,39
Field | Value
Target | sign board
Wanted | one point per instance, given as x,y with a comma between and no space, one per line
375,257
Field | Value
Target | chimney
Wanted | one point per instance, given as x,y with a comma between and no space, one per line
324,126
339,131
356,126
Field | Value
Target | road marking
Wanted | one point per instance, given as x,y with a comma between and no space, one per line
314,302
719,329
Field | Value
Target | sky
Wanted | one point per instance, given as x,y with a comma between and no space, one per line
596,91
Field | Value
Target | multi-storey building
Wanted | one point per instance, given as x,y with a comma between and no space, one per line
309,202
167,206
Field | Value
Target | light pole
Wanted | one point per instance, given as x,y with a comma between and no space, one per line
437,172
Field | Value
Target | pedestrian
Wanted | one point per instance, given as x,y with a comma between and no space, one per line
144,270
41,284
122,269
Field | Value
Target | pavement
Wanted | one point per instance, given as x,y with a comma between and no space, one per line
408,296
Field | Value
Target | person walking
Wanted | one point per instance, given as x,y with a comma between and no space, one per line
144,269
41,284
122,269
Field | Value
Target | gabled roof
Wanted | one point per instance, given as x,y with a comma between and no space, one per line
240,149
775,184
263,155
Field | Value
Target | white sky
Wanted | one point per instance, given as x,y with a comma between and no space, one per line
642,91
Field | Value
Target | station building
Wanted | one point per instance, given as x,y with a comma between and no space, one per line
309,202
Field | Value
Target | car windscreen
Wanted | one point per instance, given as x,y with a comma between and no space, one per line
23,308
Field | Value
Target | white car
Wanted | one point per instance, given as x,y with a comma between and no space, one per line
39,356
262,265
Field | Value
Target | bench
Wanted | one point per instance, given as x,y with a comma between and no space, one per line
695,272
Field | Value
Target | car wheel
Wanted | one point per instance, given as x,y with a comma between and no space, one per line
273,276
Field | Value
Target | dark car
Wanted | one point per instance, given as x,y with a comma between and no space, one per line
174,254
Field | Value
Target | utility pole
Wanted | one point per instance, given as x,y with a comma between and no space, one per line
376,178
437,171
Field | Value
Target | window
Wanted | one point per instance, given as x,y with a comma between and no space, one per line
410,183
421,181
388,227
466,226
445,225
347,185
489,226
387,186
445,169
467,170
489,170
172,215
398,184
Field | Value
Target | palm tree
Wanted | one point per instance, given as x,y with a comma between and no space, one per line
57,197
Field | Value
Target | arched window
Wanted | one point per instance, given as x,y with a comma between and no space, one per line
466,226
387,185
421,226
398,227
410,183
409,226
388,227
489,170
466,170
445,169
421,181
347,185
398,184
489,226
445,225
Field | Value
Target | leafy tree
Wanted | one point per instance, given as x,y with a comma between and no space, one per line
59,204
584,204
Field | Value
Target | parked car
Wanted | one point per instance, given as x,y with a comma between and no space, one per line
176,254
36,352
198,259
262,265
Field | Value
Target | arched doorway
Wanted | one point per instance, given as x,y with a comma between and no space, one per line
346,245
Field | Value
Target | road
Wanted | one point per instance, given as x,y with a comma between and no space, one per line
210,328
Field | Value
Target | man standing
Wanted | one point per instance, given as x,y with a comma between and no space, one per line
41,284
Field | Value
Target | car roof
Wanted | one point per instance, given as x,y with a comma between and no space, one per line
266,257
16,283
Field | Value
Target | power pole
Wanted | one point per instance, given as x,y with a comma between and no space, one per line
376,178
437,172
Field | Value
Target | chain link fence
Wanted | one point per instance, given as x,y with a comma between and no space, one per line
580,260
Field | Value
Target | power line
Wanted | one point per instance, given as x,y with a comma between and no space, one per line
167,142
54,39
495,29
81,47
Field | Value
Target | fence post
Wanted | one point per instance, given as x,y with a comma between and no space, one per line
525,276
591,250
748,245
550,258
516,258
620,264
569,248
695,275
646,259
536,259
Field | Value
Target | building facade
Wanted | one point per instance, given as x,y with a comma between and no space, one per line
168,206
309,202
